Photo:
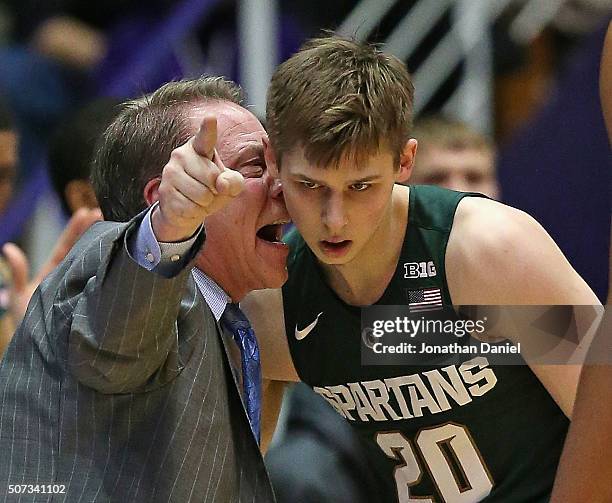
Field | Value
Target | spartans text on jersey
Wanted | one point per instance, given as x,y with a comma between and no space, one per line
409,396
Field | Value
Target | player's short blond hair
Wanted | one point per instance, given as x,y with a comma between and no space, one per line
449,134
339,99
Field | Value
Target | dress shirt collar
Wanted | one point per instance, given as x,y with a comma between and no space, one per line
213,294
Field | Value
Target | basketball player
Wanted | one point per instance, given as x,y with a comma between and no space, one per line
585,470
339,118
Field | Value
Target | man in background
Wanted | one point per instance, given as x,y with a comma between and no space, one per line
8,156
8,175
71,152
455,156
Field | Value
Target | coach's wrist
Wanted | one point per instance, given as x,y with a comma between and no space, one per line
169,232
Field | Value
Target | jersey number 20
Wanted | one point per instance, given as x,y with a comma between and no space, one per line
451,458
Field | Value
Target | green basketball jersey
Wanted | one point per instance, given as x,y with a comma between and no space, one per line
461,433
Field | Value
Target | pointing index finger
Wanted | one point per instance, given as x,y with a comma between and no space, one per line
205,139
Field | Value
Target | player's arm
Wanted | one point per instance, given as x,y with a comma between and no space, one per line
585,469
498,255
264,308
123,320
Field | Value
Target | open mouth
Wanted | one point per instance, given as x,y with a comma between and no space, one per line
335,248
335,244
272,233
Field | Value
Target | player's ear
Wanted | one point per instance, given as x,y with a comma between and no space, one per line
270,157
406,163
151,190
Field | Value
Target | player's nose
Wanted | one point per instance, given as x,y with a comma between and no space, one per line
334,214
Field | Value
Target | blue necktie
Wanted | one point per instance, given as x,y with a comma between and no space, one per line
236,322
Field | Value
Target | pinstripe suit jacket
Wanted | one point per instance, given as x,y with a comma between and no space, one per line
117,387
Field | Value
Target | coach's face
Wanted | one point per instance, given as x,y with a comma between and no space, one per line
243,251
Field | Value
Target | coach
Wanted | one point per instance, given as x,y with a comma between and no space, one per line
122,382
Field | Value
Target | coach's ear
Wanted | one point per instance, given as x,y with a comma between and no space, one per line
406,161
151,190
270,157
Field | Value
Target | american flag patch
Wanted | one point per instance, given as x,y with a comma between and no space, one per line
427,299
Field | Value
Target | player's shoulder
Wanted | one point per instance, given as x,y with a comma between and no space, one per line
489,225
492,250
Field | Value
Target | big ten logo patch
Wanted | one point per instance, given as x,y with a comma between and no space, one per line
414,270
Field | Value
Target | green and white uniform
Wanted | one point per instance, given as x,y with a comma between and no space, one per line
457,434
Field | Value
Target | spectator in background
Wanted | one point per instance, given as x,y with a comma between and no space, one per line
8,173
7,325
8,156
71,150
16,288
52,62
453,155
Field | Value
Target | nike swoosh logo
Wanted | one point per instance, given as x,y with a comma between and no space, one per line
300,334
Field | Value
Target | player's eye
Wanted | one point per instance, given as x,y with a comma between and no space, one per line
360,187
309,185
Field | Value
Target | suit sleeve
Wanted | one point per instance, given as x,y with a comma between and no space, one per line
121,318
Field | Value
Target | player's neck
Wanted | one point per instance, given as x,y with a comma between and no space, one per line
364,279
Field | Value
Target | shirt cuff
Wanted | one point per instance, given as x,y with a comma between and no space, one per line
150,253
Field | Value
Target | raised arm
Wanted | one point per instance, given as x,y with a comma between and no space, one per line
123,317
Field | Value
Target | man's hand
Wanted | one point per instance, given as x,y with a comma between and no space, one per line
22,289
70,41
194,184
